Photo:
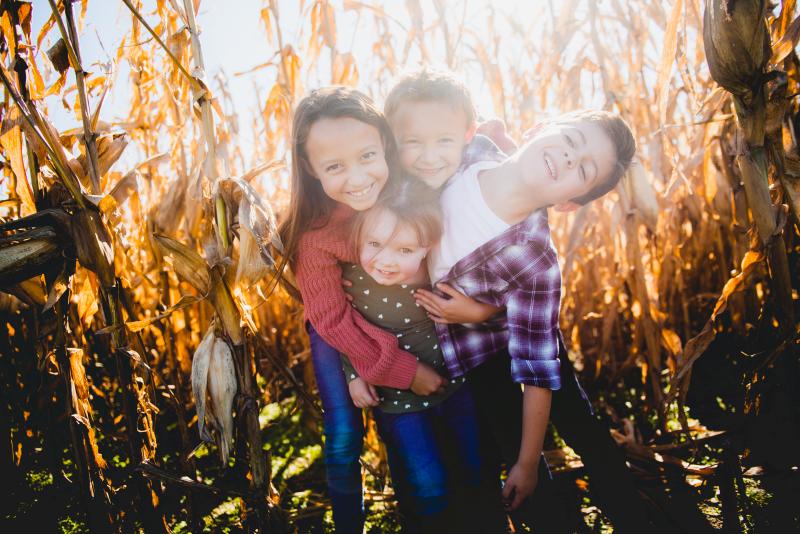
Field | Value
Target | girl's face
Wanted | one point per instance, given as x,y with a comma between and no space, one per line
390,252
347,157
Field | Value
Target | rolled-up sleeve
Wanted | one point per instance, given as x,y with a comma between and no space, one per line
532,311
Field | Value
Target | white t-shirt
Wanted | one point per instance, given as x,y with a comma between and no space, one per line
468,220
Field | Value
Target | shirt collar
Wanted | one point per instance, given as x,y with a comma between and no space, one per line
534,228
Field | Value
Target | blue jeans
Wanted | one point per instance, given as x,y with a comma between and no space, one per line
344,437
418,459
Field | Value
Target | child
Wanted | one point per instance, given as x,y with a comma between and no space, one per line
393,238
342,148
433,120
508,260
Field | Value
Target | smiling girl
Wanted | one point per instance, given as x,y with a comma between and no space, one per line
342,150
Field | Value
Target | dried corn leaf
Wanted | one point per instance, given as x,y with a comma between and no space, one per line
188,264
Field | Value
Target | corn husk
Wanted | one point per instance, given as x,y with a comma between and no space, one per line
200,364
736,40
222,392
214,387
251,266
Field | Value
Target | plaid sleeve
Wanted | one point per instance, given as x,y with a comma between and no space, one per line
481,148
532,311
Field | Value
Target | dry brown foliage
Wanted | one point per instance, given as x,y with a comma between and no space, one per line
652,273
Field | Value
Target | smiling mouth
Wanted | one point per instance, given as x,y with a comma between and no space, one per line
429,172
550,166
359,193
385,273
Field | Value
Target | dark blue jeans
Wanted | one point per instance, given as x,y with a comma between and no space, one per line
344,437
422,446
612,486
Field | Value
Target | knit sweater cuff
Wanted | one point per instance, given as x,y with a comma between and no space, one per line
403,370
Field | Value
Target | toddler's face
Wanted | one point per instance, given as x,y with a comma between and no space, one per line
390,252
566,160
431,136
347,157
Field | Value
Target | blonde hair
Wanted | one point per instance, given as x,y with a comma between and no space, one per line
430,85
415,204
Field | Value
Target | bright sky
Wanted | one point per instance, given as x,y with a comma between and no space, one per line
234,41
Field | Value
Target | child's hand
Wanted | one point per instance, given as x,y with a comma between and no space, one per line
347,283
520,484
458,309
363,394
427,381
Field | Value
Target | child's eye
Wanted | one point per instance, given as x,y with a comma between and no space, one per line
369,155
570,142
333,167
446,140
406,250
373,244
410,142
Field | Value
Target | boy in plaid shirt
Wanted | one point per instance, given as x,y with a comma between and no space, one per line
496,249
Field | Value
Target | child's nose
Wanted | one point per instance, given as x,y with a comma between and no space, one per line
359,176
569,158
428,153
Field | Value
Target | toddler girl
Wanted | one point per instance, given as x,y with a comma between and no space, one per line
393,238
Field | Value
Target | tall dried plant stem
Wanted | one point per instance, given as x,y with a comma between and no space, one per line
90,484
752,163
178,398
112,310
247,408
70,36
20,66
109,294
207,119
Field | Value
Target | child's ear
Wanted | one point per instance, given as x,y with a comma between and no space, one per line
567,206
470,132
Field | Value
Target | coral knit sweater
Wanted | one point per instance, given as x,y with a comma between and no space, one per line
373,352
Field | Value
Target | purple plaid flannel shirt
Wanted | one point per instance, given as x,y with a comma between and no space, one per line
481,148
519,270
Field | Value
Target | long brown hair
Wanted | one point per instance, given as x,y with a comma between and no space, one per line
309,206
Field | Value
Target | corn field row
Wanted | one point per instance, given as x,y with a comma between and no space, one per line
114,274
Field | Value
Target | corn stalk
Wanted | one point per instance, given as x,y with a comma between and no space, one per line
738,48
95,251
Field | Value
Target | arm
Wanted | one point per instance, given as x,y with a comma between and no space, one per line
363,393
459,308
532,310
373,352
523,476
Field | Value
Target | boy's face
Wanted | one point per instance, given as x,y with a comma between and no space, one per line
566,160
431,136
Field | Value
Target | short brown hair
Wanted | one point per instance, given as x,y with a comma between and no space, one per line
621,137
414,203
426,85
